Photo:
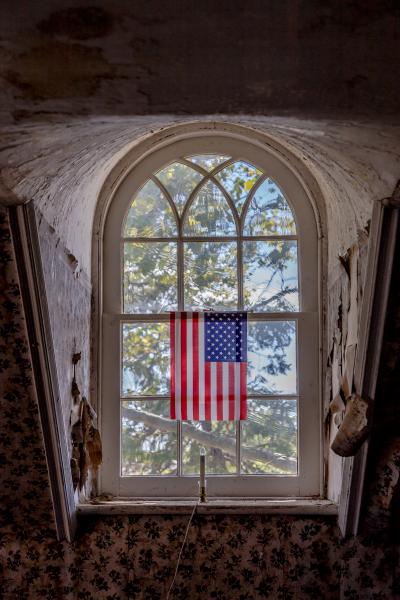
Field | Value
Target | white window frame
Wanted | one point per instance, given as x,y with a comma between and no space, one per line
308,481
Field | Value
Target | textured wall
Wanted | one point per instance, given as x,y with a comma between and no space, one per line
69,301
133,558
131,57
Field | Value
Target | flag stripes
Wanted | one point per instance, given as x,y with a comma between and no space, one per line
202,390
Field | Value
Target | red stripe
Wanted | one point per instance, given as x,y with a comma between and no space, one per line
207,391
183,367
231,391
220,397
172,364
243,390
195,384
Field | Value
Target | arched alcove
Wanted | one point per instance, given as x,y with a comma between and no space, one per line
76,166
63,166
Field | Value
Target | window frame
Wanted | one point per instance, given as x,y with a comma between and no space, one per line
308,482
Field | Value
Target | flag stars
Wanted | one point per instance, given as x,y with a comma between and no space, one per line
225,333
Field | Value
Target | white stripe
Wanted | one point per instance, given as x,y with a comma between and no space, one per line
177,367
225,391
189,367
201,369
213,391
237,391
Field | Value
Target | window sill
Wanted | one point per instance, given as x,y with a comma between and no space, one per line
239,506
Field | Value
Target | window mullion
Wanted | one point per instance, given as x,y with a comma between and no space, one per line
180,274
240,272
181,304
238,447
240,307
179,448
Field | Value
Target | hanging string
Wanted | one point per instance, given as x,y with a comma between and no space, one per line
181,550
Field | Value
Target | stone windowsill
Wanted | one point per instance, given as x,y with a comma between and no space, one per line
240,506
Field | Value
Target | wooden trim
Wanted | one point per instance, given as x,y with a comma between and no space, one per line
381,251
240,506
33,291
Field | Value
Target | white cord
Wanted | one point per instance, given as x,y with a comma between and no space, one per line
181,550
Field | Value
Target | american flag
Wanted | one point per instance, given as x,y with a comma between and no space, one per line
208,366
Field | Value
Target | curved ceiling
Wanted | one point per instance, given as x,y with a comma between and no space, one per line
62,167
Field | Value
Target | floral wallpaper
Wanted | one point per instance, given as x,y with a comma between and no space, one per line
118,558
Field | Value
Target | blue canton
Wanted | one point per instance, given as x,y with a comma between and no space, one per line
226,337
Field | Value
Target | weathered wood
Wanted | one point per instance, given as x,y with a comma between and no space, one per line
26,244
384,231
238,506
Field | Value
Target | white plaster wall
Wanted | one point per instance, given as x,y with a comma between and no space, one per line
62,167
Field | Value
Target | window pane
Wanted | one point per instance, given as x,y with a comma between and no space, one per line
150,277
209,214
271,355
210,275
270,276
150,214
145,358
148,439
208,161
238,179
179,180
219,440
269,213
269,437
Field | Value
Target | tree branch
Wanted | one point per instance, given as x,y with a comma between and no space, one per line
228,445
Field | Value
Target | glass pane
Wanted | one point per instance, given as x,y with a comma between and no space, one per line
210,278
150,214
270,276
145,358
238,179
179,180
150,277
209,214
219,440
148,439
269,437
269,213
271,354
208,161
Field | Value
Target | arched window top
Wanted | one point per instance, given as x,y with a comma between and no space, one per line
150,214
179,180
238,179
209,162
209,195
268,212
209,214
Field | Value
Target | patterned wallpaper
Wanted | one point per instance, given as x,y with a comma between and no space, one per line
118,558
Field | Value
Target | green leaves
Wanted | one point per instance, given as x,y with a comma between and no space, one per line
150,214
238,179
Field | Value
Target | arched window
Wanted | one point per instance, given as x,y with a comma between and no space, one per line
211,223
